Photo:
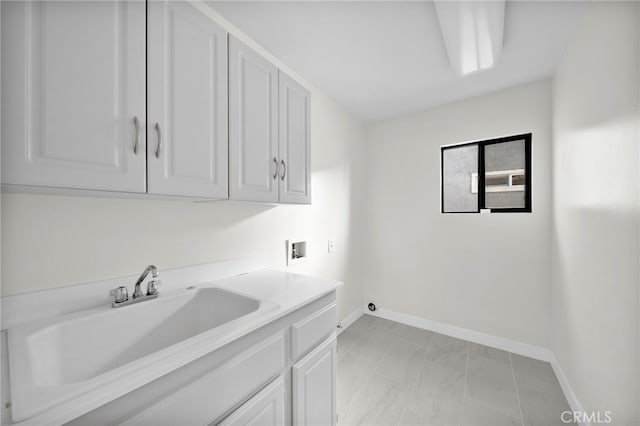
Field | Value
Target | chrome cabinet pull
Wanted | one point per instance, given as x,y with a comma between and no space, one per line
275,162
136,142
284,169
159,147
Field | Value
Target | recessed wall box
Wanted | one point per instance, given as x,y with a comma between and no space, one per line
296,251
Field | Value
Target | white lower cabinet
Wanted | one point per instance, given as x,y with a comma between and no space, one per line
314,386
206,399
266,408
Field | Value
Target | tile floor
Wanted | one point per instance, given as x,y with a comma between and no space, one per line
393,374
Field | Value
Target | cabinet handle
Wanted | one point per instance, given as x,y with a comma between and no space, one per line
275,163
136,142
159,147
284,169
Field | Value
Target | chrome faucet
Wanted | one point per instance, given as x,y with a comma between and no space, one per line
121,297
151,287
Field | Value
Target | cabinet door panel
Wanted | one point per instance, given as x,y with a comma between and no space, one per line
208,398
73,80
314,384
294,141
187,78
253,132
265,408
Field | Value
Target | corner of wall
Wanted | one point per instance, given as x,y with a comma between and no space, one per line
595,240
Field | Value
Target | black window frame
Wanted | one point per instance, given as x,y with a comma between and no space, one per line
526,137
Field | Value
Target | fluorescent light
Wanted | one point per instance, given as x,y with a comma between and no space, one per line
472,32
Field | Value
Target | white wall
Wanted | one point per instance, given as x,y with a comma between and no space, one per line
53,241
596,217
488,273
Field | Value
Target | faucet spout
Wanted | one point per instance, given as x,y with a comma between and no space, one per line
137,292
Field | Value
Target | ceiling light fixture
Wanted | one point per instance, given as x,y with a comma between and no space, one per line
472,32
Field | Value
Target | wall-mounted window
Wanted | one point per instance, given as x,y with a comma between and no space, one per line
494,174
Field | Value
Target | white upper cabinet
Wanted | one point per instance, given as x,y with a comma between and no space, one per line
294,141
269,134
253,125
73,94
90,101
187,102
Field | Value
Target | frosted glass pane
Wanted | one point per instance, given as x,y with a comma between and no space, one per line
504,165
459,169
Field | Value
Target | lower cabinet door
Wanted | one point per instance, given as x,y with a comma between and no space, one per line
314,386
266,408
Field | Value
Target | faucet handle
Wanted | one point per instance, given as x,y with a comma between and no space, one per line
119,294
152,287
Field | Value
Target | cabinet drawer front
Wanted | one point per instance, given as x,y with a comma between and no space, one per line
307,332
209,397
266,408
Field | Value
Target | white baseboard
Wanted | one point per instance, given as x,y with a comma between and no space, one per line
349,319
513,346
572,399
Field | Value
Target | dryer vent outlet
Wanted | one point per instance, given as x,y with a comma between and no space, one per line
372,307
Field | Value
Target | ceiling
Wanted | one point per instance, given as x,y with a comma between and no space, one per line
381,59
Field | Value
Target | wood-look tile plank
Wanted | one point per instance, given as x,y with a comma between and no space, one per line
380,401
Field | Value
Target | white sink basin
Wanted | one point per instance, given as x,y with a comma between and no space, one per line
57,360
83,348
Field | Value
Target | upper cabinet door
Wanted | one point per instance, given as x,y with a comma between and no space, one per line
253,131
294,141
73,94
187,81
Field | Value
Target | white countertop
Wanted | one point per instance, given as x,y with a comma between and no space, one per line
279,293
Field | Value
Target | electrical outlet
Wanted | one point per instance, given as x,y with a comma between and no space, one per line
330,246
